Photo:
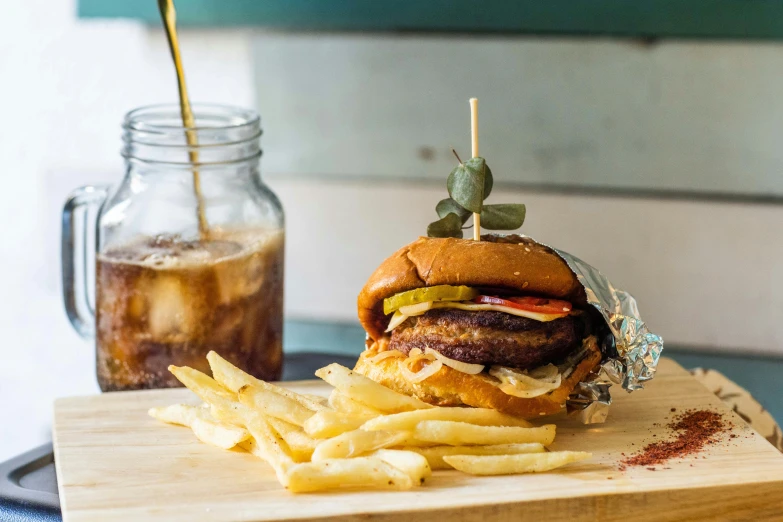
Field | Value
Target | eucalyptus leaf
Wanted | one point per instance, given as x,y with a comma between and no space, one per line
448,226
467,185
506,216
479,164
449,206
466,188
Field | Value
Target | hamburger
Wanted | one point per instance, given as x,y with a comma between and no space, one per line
500,323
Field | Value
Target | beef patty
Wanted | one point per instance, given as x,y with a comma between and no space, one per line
489,337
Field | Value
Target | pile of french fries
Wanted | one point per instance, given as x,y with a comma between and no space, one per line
363,435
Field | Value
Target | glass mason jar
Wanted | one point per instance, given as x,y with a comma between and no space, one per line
189,252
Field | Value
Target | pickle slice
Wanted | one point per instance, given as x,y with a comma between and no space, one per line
428,293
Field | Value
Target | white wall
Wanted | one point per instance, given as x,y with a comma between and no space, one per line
704,274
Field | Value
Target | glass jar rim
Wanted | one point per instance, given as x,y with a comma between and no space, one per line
236,118
224,134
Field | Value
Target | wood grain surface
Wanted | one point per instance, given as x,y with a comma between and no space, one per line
116,463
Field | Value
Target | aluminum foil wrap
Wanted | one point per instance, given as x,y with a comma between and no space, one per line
630,352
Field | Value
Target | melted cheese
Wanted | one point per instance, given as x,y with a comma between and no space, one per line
420,308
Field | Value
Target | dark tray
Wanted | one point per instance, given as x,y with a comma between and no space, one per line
28,483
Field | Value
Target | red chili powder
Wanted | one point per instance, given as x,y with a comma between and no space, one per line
696,428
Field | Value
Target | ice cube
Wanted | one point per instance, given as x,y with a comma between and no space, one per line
238,277
262,264
169,309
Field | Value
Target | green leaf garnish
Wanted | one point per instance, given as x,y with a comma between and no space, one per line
449,206
481,163
469,184
448,226
505,216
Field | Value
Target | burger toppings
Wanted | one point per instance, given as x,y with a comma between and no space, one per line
535,308
542,380
527,384
385,355
419,366
428,294
531,304
471,369
397,319
430,362
429,366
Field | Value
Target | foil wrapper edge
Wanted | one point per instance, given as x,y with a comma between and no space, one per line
630,353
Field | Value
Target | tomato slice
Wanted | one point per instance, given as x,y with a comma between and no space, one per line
538,305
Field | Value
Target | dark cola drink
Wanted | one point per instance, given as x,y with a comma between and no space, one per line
163,300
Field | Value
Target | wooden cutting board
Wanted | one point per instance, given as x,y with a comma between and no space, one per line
116,463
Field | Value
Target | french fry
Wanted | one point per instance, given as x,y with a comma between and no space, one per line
364,435
273,404
413,464
203,425
202,384
300,443
330,423
224,406
341,402
461,433
270,446
367,391
221,435
335,473
478,416
512,464
223,403
355,443
251,446
233,379
435,454
413,442
182,414
323,402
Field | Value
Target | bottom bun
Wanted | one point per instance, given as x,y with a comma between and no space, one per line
450,387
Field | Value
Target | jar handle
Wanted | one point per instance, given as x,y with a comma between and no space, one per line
75,227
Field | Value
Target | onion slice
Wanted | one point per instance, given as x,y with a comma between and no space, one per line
427,371
539,381
548,372
416,309
397,319
385,355
510,389
470,369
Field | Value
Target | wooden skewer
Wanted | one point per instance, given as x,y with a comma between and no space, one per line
475,153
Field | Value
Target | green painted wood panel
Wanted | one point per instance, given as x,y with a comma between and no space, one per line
752,19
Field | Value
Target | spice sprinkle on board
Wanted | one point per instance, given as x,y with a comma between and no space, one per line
696,429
